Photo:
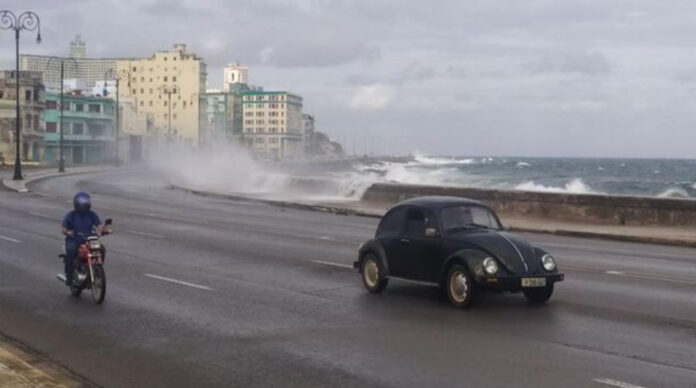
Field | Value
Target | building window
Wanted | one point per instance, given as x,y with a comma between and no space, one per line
51,104
184,104
94,108
150,103
165,78
150,90
135,91
165,102
142,79
173,79
51,126
134,69
142,103
79,107
78,128
66,105
142,91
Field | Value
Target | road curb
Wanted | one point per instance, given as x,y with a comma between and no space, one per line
21,185
353,212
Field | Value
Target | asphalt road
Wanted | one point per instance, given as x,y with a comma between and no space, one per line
207,292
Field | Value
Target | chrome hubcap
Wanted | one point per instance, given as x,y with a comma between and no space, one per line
371,273
459,287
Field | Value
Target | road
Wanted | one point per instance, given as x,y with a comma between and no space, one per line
209,292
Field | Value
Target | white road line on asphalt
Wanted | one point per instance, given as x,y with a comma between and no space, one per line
325,238
615,383
10,239
41,215
614,273
331,263
145,234
180,282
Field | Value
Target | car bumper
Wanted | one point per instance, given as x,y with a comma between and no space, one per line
514,283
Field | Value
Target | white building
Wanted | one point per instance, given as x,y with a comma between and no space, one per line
273,126
235,74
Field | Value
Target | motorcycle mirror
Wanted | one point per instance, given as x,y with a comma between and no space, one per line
108,221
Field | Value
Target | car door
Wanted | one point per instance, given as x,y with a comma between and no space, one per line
389,236
418,250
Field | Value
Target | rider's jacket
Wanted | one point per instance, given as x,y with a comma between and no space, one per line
81,223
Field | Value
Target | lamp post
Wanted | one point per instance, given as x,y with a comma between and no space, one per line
61,162
169,90
28,21
117,76
198,106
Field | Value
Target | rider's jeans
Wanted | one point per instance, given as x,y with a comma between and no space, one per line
70,254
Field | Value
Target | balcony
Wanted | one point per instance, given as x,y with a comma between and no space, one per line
55,137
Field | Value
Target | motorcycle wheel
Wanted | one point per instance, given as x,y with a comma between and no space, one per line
75,290
99,284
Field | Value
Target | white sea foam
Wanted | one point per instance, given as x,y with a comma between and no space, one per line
674,192
435,161
575,186
522,164
693,186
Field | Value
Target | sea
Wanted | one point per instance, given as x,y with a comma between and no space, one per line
669,178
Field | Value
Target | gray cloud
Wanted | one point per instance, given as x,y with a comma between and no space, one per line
573,77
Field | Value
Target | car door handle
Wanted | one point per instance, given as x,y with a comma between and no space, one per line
405,240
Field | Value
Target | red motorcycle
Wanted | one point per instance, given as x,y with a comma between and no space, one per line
89,266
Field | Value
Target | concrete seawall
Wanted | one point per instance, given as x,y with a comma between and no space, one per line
604,209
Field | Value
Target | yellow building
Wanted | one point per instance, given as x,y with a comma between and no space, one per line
174,77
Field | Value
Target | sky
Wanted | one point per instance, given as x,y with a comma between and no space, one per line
580,78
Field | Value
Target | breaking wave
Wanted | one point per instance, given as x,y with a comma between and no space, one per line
674,192
440,161
522,164
575,186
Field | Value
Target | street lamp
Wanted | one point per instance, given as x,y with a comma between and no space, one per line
169,90
198,105
28,21
117,76
61,162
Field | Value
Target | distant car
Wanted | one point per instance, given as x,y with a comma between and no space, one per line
458,245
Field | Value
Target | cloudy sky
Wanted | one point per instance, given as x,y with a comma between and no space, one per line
485,77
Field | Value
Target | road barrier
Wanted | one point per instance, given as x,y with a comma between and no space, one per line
595,208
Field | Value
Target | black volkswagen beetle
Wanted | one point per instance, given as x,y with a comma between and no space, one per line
457,244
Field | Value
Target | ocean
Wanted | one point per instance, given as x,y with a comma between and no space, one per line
675,178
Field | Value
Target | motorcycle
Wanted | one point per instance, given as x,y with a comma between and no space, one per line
89,266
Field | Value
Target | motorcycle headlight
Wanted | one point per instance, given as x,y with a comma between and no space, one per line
490,265
548,262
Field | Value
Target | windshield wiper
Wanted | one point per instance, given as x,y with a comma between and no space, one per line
469,226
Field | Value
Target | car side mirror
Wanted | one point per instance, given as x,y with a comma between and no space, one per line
431,232
108,221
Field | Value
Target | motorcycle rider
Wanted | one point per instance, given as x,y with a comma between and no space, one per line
78,224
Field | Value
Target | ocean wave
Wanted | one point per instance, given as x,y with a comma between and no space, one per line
522,164
575,186
434,161
693,186
674,192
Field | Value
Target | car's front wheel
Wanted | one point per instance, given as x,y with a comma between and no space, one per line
538,295
459,288
372,274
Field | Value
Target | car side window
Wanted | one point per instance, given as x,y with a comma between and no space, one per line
417,221
392,221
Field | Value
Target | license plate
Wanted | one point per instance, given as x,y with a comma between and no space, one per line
533,282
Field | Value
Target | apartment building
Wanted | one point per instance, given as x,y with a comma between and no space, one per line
273,125
31,106
169,88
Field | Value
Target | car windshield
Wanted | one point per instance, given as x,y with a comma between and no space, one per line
468,216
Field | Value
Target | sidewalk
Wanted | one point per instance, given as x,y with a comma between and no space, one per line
678,236
19,369
36,174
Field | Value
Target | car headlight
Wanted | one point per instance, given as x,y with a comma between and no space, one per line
490,265
548,262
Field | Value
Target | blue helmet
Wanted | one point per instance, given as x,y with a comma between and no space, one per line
82,202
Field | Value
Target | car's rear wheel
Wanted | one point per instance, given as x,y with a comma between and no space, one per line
459,287
372,274
538,295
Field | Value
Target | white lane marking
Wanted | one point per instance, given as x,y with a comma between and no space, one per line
145,234
180,282
325,238
10,239
41,215
331,263
615,383
614,273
